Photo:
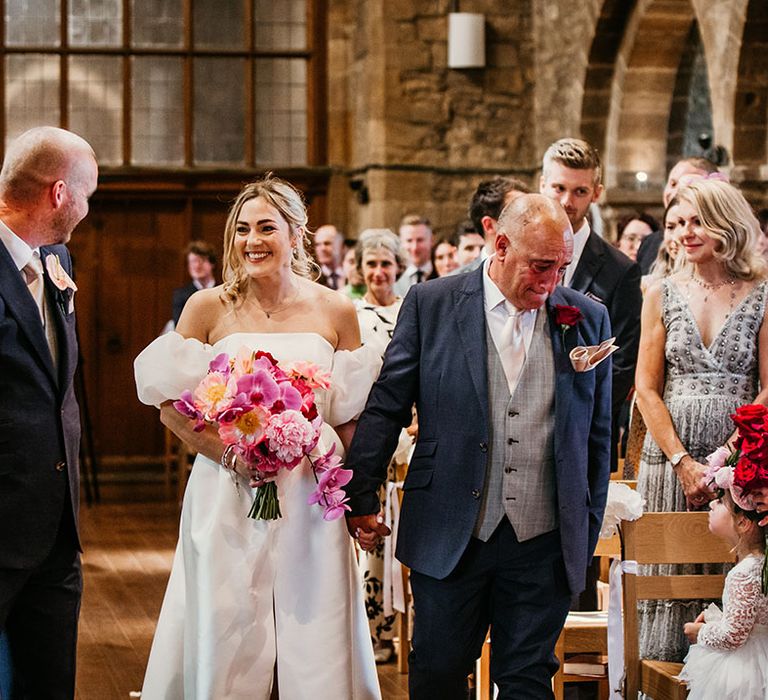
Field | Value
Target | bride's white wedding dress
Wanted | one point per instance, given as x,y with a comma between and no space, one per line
247,594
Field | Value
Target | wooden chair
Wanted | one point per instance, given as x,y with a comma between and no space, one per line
665,538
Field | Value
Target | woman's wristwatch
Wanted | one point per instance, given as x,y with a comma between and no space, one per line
678,457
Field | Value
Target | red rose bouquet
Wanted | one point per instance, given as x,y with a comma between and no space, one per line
744,468
266,414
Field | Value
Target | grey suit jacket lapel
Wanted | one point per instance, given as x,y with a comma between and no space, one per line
22,307
470,322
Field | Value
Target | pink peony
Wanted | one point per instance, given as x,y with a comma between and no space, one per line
246,430
211,394
290,436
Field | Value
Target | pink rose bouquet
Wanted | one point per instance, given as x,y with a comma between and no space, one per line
265,414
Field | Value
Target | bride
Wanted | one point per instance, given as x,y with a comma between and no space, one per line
256,603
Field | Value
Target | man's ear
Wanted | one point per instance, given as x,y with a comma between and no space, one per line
501,245
489,227
598,191
57,193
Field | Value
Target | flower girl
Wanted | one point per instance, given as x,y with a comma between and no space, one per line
729,656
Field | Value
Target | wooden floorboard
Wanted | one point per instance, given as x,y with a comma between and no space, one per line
128,552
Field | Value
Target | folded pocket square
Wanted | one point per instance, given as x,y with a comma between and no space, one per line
587,357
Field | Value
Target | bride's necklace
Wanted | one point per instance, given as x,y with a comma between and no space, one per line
280,307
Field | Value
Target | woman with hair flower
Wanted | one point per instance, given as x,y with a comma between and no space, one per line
255,605
703,352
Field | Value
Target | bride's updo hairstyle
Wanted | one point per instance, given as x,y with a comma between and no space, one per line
289,202
730,222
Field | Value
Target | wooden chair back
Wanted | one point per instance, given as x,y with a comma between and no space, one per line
665,538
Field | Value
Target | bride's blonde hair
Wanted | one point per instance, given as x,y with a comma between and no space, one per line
289,202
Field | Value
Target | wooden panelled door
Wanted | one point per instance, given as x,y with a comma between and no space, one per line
128,260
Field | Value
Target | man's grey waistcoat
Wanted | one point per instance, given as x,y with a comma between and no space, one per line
520,476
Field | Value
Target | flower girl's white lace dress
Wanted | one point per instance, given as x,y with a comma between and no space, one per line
730,659
248,596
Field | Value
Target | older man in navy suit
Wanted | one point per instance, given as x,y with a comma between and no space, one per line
46,180
506,488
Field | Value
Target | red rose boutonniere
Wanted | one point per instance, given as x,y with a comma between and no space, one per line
567,317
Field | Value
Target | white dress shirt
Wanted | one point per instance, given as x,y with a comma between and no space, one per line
497,313
579,242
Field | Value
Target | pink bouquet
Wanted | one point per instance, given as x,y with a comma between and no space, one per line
266,414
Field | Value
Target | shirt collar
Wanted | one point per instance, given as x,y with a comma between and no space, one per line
494,299
19,250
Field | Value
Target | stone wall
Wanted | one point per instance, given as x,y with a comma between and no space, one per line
417,136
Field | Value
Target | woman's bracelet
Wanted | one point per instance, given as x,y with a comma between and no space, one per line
229,462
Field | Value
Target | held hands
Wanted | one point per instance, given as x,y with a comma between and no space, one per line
367,529
690,474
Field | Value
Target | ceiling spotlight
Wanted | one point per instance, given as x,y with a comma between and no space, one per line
641,176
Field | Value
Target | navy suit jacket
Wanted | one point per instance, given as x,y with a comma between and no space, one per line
438,359
39,417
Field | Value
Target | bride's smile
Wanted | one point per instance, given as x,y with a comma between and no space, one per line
263,237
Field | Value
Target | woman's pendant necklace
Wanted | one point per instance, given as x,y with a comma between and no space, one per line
713,288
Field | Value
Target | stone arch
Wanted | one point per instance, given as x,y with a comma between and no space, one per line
609,34
750,132
643,88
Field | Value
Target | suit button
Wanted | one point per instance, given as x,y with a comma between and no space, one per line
512,414
508,470
483,447
61,466
512,441
475,493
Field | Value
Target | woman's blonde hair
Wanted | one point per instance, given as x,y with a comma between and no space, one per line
290,204
729,220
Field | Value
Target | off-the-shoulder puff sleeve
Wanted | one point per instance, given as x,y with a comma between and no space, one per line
169,365
352,376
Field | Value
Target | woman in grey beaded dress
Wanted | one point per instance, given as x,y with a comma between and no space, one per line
703,353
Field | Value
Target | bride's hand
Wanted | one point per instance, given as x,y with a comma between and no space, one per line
690,474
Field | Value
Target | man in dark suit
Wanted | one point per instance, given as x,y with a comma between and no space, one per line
571,174
201,263
488,200
507,484
46,180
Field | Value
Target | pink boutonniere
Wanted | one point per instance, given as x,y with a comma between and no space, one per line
63,282
567,317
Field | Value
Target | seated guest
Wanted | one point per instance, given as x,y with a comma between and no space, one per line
380,258
443,257
329,244
416,238
201,263
702,355
355,286
631,229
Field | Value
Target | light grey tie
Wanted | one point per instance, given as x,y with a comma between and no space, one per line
512,342
33,272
